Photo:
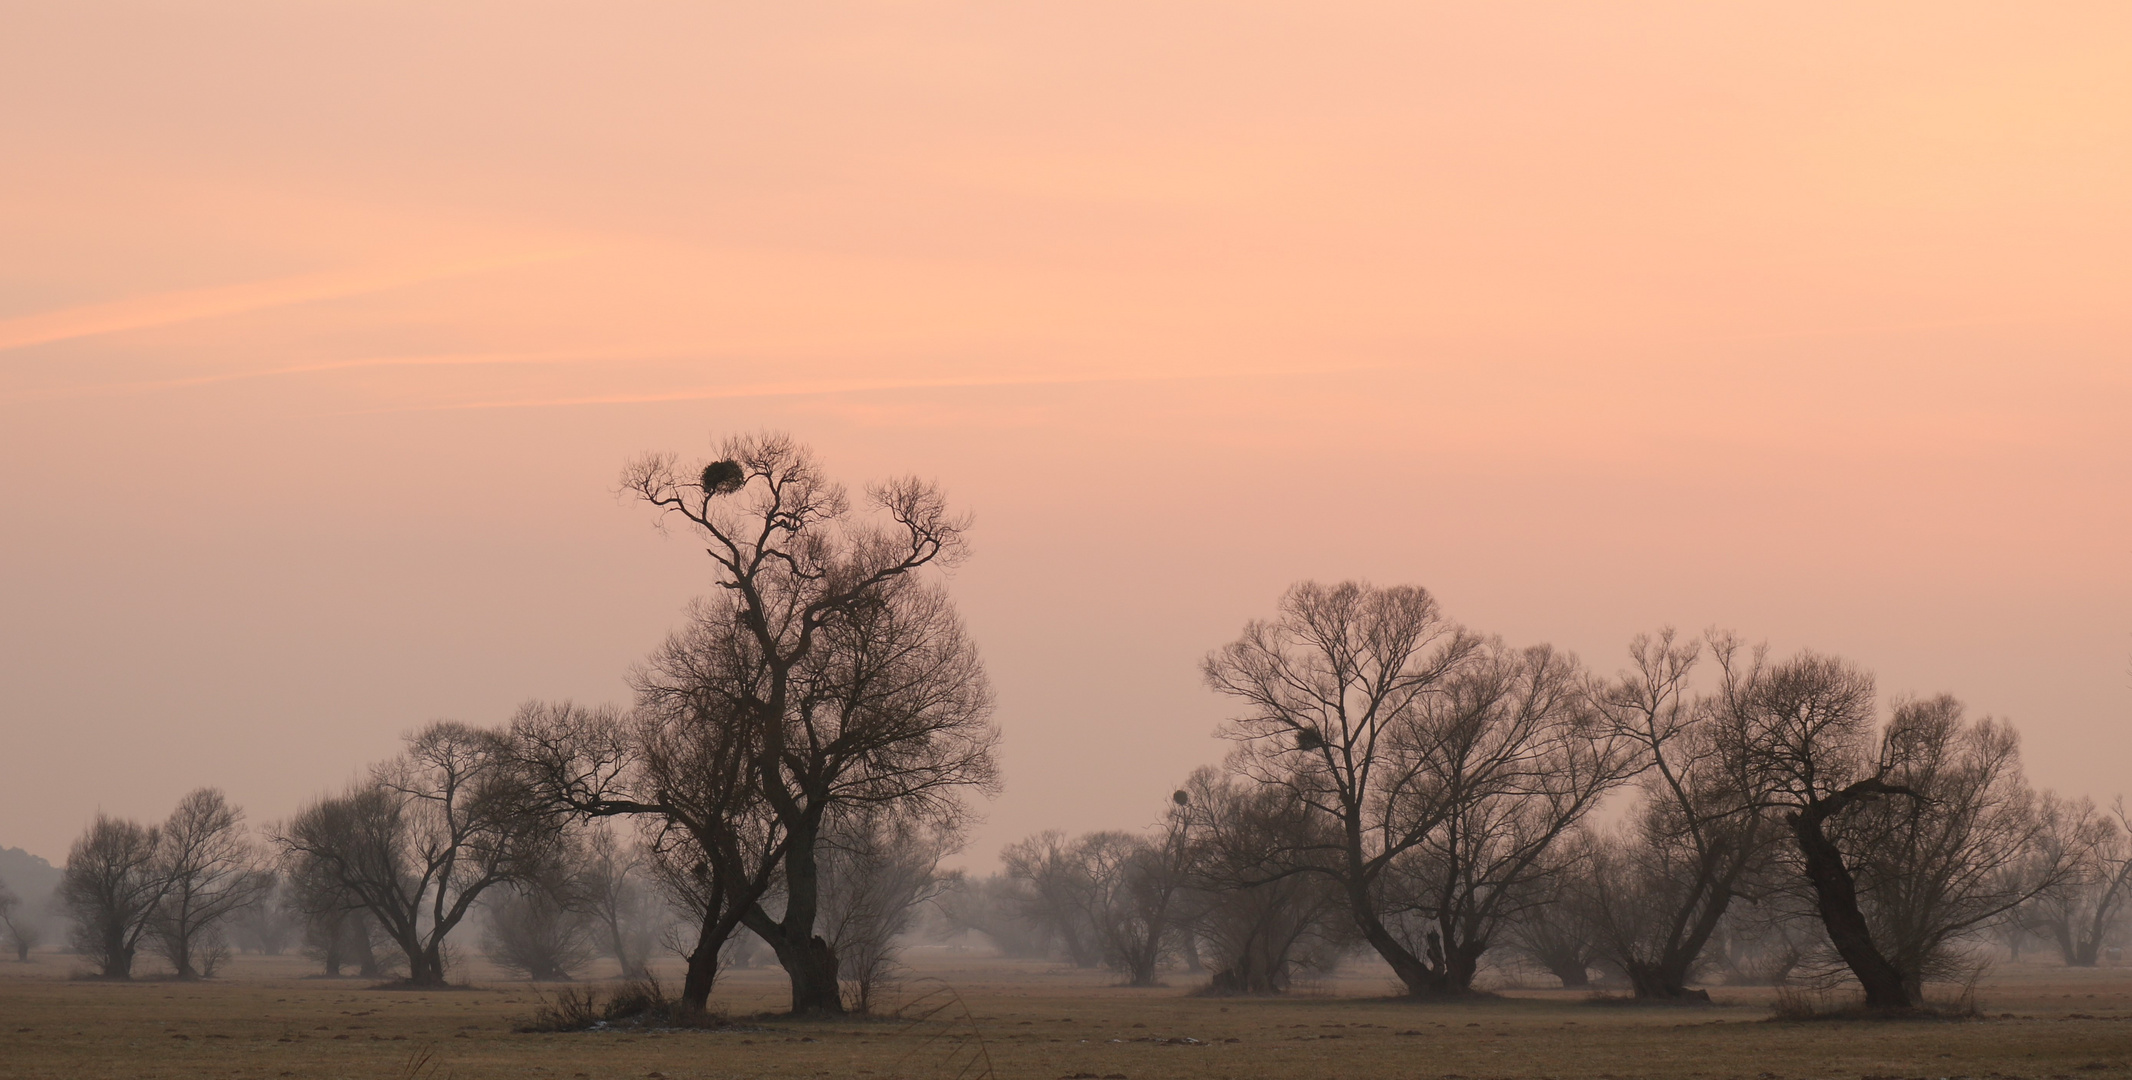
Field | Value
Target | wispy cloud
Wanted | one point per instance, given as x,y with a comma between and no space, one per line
189,305
820,387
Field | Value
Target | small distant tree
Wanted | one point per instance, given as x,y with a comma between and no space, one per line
111,887
620,899
273,924
1260,922
22,936
210,871
2083,913
997,907
1560,932
436,827
875,874
538,926
1054,893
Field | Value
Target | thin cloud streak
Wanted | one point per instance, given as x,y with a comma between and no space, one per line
861,386
220,301
579,356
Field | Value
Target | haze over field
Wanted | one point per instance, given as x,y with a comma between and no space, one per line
326,329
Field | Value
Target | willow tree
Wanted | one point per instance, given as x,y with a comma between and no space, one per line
1443,766
824,678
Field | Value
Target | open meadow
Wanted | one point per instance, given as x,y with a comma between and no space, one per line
266,1018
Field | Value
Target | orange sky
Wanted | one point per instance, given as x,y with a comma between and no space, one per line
326,327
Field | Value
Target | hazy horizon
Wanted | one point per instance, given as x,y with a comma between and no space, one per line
325,331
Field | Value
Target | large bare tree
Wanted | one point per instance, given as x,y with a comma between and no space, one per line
418,845
823,678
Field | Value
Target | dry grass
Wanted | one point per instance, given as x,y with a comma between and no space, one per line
1028,1020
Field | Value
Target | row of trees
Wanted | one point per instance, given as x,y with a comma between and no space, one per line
798,757
794,765
1405,785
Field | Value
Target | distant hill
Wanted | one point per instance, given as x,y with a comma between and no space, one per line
31,878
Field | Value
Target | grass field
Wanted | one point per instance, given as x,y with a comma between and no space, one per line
266,1019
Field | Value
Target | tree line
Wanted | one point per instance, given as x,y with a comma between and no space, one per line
799,756
1401,785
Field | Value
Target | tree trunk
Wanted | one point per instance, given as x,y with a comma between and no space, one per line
118,955
1415,974
812,967
1836,895
703,965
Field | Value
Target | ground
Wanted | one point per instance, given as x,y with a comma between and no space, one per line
264,1018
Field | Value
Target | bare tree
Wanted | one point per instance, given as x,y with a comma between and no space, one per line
211,872
1902,834
1520,761
273,923
112,885
22,934
1561,932
2082,914
1704,822
1056,896
996,906
683,763
617,895
856,683
538,926
1445,765
1334,691
1261,921
876,871
436,827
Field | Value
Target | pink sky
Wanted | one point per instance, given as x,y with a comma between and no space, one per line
325,329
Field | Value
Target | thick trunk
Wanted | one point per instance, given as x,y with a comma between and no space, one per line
1836,896
1664,980
703,963
812,967
118,955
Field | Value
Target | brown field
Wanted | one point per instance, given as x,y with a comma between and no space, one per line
265,1019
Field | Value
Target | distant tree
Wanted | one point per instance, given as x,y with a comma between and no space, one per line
2083,912
539,926
1660,887
997,907
620,899
11,918
273,924
1903,835
111,888
211,871
435,828
1445,765
1054,893
1560,932
1260,921
876,872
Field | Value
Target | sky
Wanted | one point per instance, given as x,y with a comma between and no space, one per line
327,327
